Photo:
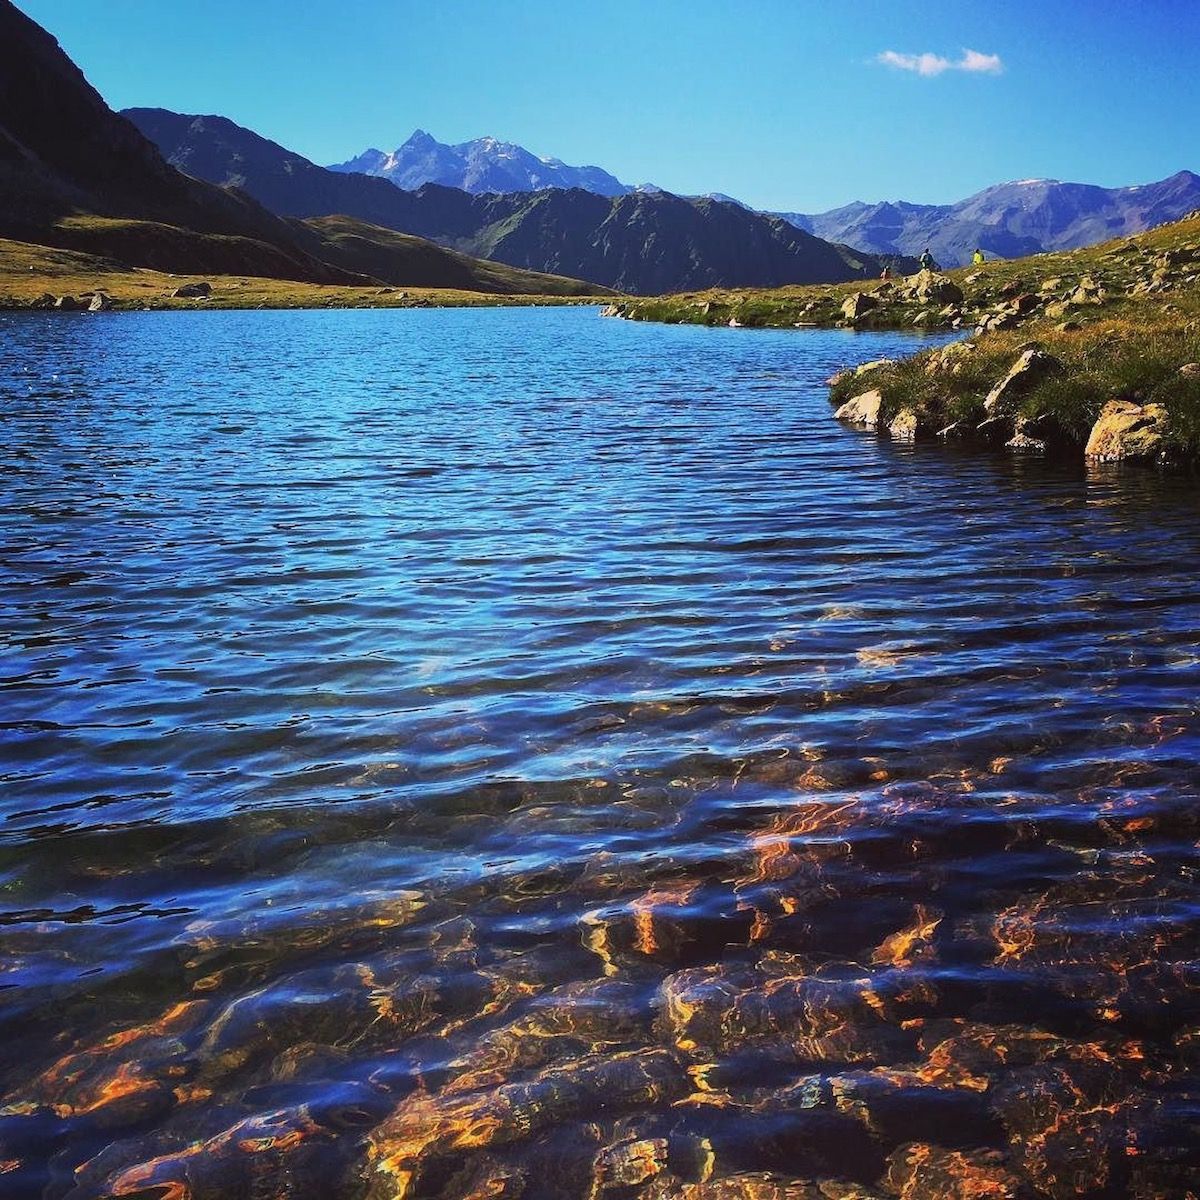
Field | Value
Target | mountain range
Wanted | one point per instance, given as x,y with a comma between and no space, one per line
482,165
1007,220
639,241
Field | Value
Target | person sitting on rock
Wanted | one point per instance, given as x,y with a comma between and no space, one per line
927,263
886,273
977,258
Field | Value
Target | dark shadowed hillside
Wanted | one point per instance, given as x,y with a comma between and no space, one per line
66,158
408,261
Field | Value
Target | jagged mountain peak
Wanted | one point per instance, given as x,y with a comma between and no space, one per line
485,164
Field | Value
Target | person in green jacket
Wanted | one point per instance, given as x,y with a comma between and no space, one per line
977,258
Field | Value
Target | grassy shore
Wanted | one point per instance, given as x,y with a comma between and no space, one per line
1107,333
29,273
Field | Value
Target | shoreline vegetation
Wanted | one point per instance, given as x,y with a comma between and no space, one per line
1093,351
44,277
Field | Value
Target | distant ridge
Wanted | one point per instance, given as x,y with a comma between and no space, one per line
1008,220
74,175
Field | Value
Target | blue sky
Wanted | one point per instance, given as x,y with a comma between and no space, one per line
785,104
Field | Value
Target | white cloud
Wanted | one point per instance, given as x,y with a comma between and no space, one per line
983,64
929,65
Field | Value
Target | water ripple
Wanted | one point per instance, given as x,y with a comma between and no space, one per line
510,753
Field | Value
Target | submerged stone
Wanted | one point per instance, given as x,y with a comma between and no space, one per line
922,1171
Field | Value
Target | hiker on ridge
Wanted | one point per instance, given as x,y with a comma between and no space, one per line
927,263
977,258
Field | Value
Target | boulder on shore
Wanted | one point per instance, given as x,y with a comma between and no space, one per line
193,291
949,358
849,373
1126,430
1032,365
862,410
858,305
931,287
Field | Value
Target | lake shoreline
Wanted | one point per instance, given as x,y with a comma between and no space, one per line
42,278
1092,353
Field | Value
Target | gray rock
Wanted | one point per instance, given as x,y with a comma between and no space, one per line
955,431
905,426
994,428
930,287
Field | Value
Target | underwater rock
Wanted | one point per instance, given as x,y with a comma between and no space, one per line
717,1010
427,1127
921,1171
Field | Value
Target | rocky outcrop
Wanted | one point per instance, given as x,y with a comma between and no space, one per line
192,291
950,359
862,410
1126,430
1024,439
857,372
